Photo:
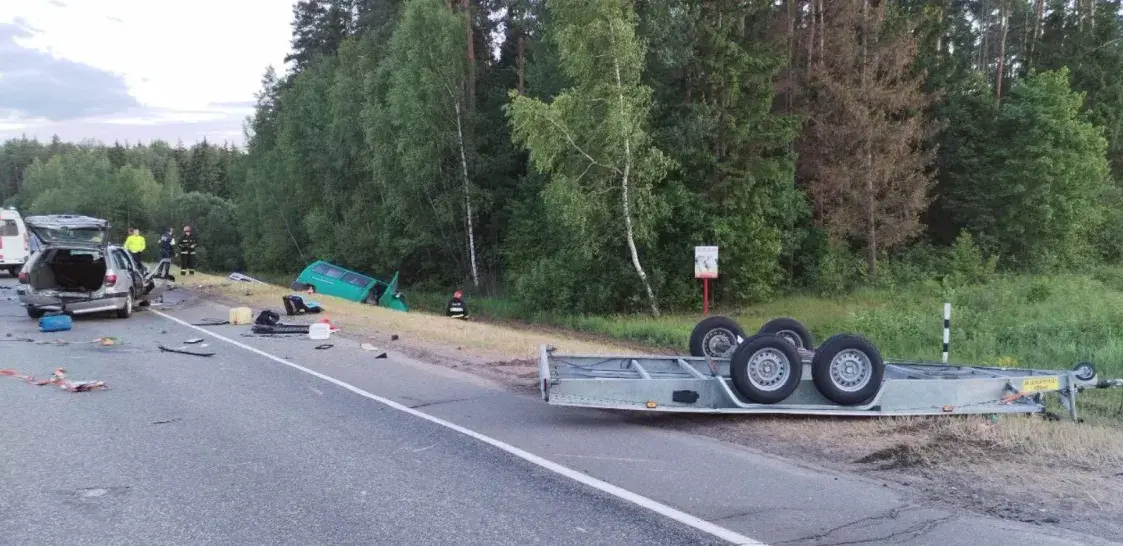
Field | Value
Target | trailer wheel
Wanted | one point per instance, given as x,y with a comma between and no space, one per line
716,337
766,369
1085,371
791,330
847,369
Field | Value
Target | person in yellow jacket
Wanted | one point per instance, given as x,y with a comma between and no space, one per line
135,244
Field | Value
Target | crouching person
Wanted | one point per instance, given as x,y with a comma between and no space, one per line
456,308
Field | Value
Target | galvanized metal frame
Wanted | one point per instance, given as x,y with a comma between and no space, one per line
702,385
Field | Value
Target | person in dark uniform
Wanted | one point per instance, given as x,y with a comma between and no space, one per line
456,308
167,252
187,246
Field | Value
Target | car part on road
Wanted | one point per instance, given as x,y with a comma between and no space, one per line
212,322
275,329
324,346
182,351
716,337
766,374
369,347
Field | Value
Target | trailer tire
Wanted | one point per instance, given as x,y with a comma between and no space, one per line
711,332
1085,371
766,369
791,330
847,369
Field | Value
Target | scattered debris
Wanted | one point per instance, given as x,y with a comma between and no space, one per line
55,323
166,421
182,351
325,346
107,341
369,347
238,277
212,322
58,378
393,337
19,339
194,340
277,329
49,342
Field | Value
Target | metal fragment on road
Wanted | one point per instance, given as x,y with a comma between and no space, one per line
182,351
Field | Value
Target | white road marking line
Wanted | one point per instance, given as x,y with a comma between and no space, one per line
600,485
614,459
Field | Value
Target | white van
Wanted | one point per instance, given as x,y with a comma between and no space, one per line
15,245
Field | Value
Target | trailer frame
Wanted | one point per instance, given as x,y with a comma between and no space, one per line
688,384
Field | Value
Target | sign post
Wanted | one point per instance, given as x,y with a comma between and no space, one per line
705,268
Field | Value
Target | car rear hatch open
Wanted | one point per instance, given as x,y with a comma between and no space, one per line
68,230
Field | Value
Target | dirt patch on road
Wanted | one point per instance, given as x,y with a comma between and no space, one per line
1021,468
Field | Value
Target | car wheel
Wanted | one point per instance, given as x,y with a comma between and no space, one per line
35,312
14,270
127,310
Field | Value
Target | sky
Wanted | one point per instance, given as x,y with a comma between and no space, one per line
136,70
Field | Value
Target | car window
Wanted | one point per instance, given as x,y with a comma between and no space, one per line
322,269
9,228
120,260
356,279
334,273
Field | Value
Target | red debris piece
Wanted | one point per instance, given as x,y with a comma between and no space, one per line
58,378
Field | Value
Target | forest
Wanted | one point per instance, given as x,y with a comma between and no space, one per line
569,154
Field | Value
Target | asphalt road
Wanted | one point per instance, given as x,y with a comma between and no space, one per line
252,448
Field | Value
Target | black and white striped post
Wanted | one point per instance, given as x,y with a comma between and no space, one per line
947,329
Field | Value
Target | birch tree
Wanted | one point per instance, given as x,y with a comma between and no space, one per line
592,138
426,107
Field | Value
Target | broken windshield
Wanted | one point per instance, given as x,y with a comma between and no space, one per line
69,229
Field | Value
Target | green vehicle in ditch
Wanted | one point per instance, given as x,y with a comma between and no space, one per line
321,277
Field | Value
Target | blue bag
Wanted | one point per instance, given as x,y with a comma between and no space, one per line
55,323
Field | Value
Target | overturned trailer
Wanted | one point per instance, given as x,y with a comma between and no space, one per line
776,372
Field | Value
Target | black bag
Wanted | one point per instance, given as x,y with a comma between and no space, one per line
268,318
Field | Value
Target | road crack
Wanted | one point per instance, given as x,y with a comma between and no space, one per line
913,531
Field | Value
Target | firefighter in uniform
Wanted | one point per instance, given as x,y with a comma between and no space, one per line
187,247
456,308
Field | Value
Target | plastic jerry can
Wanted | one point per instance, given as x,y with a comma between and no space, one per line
319,331
241,315
55,323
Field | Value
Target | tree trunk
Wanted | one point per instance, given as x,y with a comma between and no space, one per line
471,56
871,225
811,37
1001,55
627,200
467,200
822,29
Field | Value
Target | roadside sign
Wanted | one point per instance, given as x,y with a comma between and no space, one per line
705,262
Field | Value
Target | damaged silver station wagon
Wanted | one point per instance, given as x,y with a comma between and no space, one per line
77,271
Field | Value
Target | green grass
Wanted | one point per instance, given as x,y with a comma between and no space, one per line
1014,320
1017,320
1045,322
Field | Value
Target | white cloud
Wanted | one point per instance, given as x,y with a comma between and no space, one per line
193,66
